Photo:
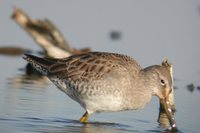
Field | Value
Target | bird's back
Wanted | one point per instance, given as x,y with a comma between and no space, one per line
93,65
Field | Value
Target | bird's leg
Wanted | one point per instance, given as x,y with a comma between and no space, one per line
84,118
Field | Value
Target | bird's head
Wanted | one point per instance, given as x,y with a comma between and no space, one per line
159,79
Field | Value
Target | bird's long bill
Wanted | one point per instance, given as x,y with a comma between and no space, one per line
170,116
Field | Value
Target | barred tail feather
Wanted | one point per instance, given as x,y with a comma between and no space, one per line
40,64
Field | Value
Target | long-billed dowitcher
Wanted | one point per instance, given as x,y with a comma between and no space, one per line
106,82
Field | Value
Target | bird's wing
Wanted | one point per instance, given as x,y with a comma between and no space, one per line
91,66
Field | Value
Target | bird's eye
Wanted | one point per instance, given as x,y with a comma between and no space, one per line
162,82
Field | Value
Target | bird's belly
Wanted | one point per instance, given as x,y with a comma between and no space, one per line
102,103
94,103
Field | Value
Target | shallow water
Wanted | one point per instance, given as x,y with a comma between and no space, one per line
34,104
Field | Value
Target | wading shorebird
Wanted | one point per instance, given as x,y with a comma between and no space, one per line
107,82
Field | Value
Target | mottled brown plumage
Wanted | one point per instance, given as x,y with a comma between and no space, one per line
105,82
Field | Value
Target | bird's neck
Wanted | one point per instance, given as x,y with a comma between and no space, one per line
140,93
145,86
